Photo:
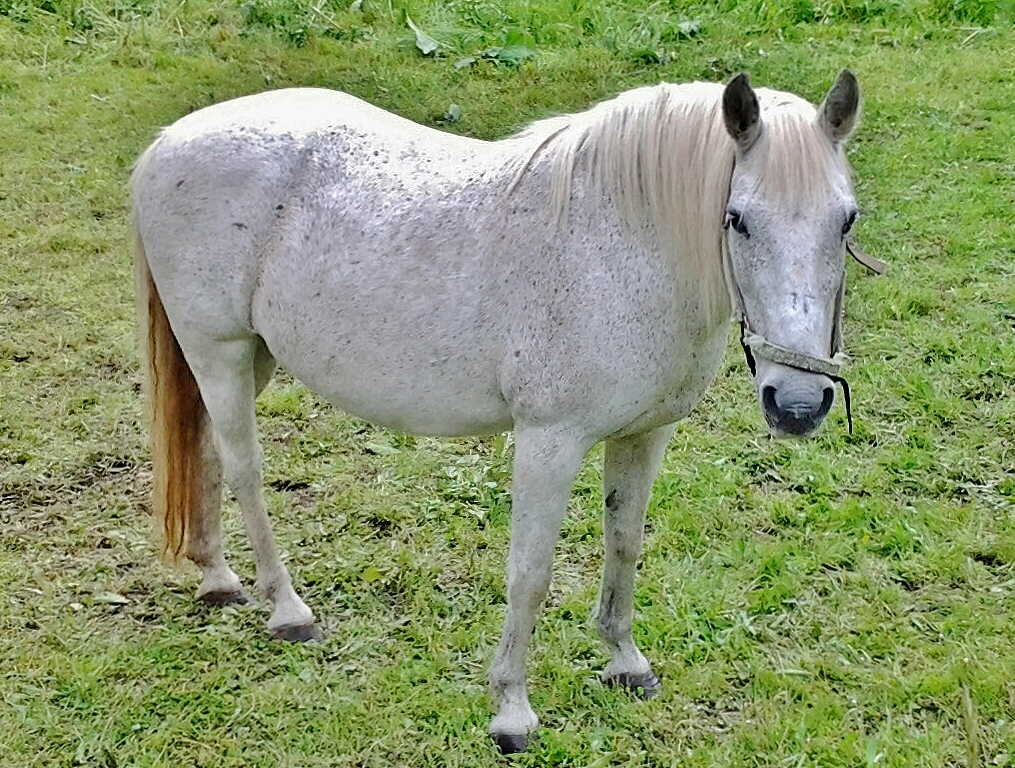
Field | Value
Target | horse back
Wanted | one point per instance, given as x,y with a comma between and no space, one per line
212,191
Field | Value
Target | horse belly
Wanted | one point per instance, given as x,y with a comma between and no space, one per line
425,397
404,364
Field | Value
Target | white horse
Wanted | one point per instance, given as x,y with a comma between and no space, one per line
573,283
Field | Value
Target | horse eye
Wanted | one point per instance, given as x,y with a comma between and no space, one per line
850,221
735,219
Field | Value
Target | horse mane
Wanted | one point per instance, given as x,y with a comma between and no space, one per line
662,155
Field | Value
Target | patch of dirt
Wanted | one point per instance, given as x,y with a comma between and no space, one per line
715,716
98,469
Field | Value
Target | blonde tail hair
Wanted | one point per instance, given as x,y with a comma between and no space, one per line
176,415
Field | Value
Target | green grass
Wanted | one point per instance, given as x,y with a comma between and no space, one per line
846,601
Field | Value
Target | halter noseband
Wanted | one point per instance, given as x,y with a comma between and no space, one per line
756,345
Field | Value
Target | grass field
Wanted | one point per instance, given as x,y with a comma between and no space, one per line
845,601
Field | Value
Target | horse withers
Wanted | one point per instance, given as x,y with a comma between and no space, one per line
573,283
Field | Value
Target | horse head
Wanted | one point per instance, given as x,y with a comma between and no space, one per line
790,209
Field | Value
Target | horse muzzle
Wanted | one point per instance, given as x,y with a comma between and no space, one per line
794,403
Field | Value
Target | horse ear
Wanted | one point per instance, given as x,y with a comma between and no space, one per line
839,113
741,111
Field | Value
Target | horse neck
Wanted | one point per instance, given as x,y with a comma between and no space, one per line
663,158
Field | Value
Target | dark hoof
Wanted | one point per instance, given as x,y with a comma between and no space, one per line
218,599
306,634
511,743
646,685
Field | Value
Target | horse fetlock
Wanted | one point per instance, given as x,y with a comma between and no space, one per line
629,669
290,617
292,620
294,626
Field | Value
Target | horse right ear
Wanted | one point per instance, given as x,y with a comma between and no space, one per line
741,111
839,112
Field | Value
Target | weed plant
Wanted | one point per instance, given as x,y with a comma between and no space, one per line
844,601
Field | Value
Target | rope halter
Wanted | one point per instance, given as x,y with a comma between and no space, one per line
755,345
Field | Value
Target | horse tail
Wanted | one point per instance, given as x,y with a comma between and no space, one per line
176,415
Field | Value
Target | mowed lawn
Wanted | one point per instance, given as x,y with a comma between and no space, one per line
843,601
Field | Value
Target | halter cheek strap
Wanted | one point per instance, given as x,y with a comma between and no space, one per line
756,345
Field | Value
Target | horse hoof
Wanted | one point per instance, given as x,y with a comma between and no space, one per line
511,743
645,685
306,633
219,598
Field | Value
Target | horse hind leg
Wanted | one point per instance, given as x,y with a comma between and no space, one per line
219,584
230,373
629,468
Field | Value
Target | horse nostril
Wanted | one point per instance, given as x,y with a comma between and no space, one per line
826,403
770,400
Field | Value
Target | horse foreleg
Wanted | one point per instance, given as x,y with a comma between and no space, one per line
545,466
228,385
629,468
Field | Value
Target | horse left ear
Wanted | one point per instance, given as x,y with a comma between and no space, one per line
840,111
741,111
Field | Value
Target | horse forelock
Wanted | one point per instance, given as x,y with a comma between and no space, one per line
799,166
